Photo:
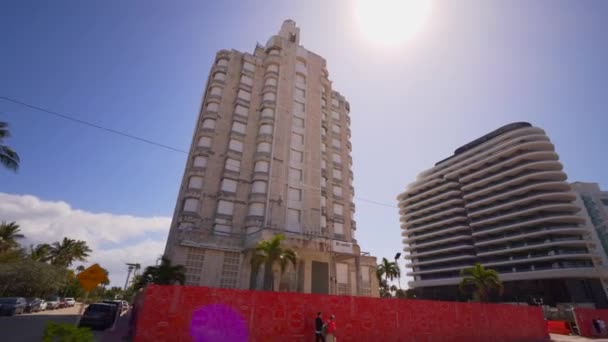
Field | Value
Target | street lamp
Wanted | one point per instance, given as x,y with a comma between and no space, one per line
397,256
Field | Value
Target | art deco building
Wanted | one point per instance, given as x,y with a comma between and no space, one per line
271,153
501,200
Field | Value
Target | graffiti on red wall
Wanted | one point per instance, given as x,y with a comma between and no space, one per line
184,313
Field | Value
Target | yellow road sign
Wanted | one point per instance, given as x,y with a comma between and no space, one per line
91,277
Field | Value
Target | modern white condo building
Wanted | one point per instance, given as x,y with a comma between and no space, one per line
503,201
270,154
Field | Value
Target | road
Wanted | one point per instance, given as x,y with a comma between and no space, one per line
30,327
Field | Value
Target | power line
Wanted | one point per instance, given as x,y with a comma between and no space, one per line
130,136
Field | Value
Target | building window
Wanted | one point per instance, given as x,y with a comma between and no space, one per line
295,174
209,123
300,79
335,115
298,122
191,205
233,165
300,67
300,93
269,96
265,129
246,80
335,102
294,194
216,91
323,182
264,147
293,219
270,81
230,270
256,209
219,76
249,66
323,147
342,273
335,128
261,166
244,95
297,156
240,110
258,187
235,145
323,102
323,201
267,113
338,209
336,158
199,161
337,174
222,62
222,228
297,139
337,191
225,207
212,107
239,127
204,142
298,108
195,182
229,185
323,164
335,143
272,68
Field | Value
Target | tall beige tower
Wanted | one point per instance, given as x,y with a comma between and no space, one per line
271,154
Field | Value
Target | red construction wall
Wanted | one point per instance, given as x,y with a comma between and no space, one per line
167,313
584,319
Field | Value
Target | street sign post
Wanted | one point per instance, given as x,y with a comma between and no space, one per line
89,279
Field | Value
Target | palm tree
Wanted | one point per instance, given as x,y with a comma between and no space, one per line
8,157
80,268
41,252
163,274
9,234
269,253
68,251
483,280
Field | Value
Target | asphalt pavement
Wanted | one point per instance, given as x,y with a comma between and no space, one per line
30,327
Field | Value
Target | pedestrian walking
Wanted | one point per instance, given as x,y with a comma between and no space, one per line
596,326
602,326
331,329
319,336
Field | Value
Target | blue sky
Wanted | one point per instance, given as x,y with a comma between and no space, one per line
140,67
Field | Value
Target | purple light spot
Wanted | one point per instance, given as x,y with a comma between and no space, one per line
217,322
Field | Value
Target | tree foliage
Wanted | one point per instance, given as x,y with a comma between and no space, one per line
163,274
481,281
10,233
29,278
8,157
270,253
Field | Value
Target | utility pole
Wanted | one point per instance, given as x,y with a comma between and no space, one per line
131,267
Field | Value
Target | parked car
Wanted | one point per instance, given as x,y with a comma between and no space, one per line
43,305
34,305
70,301
52,302
12,306
98,316
116,303
62,303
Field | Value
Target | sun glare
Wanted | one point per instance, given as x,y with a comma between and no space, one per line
391,22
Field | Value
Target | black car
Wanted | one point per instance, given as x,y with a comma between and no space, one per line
12,306
98,316
118,303
33,305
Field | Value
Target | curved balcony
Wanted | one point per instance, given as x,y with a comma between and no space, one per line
430,202
445,231
530,156
543,219
431,221
434,224
528,260
518,171
438,270
506,185
437,242
429,192
532,246
413,190
560,207
439,261
272,59
554,197
464,246
520,191
431,209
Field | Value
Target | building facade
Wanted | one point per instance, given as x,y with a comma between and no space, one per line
271,153
503,201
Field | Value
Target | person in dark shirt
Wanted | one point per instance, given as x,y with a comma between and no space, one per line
319,328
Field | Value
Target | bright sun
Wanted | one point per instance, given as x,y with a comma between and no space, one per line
391,22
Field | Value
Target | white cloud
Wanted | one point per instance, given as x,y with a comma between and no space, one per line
48,221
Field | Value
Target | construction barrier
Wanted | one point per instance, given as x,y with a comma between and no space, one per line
558,327
585,317
185,313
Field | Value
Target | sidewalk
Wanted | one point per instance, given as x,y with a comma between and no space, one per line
567,338
119,331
